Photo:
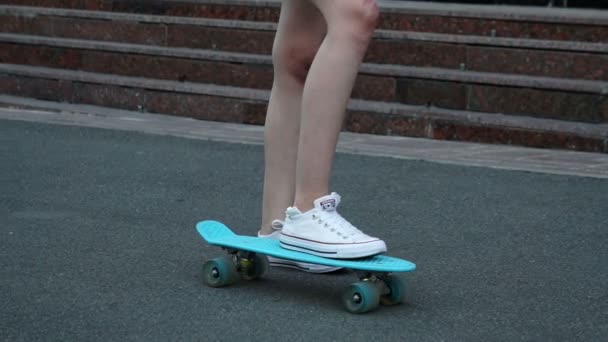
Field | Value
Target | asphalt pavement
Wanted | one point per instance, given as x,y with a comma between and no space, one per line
98,243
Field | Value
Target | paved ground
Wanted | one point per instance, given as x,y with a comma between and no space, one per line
98,244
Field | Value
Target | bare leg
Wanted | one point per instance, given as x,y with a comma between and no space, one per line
350,25
305,149
300,32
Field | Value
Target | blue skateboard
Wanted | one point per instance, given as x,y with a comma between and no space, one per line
247,259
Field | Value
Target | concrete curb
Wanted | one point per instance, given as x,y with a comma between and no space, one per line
558,162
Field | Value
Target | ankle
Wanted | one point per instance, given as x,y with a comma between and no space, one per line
303,206
266,229
307,202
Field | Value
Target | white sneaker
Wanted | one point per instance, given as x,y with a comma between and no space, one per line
312,268
322,231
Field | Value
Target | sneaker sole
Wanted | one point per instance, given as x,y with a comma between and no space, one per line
333,251
310,268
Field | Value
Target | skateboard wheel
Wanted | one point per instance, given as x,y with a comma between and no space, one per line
259,267
220,272
361,297
396,287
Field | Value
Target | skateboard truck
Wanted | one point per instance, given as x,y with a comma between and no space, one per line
386,284
372,289
248,264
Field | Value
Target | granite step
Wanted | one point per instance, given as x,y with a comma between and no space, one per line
245,105
564,99
480,20
562,59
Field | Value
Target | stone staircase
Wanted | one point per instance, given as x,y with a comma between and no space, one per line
496,74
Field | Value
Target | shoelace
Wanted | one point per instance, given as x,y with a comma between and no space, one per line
338,224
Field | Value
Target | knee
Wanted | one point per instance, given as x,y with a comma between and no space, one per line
293,59
354,20
364,15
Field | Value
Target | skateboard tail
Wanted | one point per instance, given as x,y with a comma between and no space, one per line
213,231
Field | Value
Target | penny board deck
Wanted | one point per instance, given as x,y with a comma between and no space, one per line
217,234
